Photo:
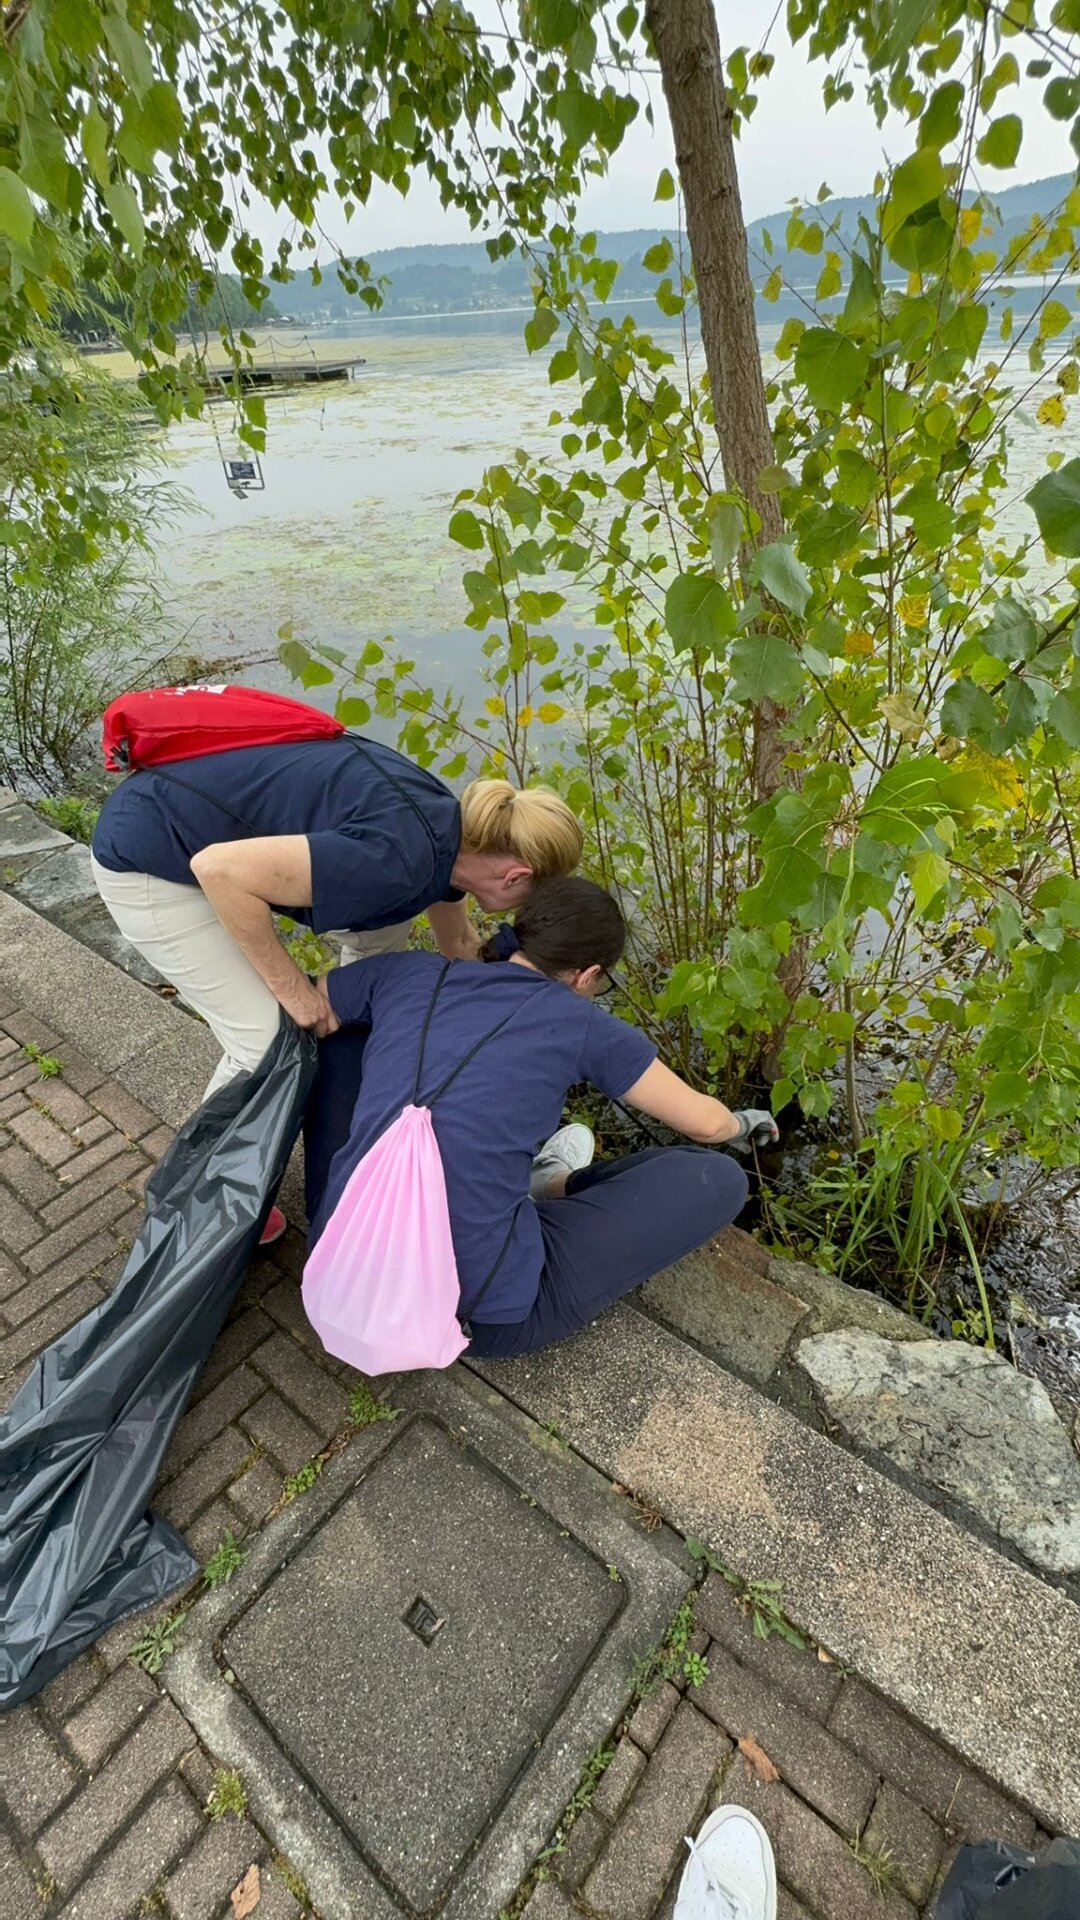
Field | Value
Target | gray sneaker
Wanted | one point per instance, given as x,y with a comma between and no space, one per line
731,1874
568,1150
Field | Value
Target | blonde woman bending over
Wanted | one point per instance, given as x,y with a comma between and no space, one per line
343,835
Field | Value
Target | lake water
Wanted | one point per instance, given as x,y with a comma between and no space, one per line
348,542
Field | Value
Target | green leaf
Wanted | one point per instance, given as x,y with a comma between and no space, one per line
1062,98
16,209
658,259
783,576
665,186
916,182
1005,74
124,207
1054,318
698,612
928,873
352,712
95,144
130,51
1013,633
765,667
1000,143
787,882
967,711
1055,502
540,327
944,116
45,168
1063,715
831,367
465,528
724,517
861,304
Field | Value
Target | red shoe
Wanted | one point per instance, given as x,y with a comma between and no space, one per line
276,1226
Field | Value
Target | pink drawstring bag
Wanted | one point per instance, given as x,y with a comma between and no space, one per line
381,1283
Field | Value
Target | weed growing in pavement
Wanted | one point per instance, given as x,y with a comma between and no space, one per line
47,1064
878,1863
593,1772
152,1648
760,1600
292,1880
365,1409
673,1658
227,1795
226,1558
301,1481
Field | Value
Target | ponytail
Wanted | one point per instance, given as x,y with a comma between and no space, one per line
566,925
531,823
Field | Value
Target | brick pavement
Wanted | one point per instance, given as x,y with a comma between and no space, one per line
105,1784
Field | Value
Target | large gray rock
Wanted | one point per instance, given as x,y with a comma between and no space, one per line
22,831
963,1421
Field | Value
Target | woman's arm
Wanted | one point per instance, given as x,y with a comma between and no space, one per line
241,878
455,935
665,1097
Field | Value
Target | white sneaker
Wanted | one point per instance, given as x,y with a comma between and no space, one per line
730,1874
568,1150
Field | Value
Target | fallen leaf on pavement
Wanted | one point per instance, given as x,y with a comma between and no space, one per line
758,1759
245,1898
825,1658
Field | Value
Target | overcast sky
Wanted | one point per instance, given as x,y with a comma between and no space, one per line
790,147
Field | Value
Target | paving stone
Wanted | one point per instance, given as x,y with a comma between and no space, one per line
63,1104
275,1902
98,1129
140,1860
156,1143
86,1259
284,1303
550,1903
102,1808
118,1106
811,1857
23,831
29,1031
652,1715
237,1341
101,1213
79,1071
207,1532
18,1228
66,1692
619,1779
638,1861
583,1843
212,1414
199,1771
208,1475
62,880
200,1886
733,1310
828,1775
11,1103
914,1842
796,1671
698,1643
17,1075
113,1172
35,1778
304,1383
276,1428
35,1334
22,1900
256,1491
929,1775
113,1711
788,1908
25,1175
114,1646
963,1421
43,1137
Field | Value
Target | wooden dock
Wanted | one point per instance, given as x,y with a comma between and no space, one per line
283,373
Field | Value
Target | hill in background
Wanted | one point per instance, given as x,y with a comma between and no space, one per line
461,277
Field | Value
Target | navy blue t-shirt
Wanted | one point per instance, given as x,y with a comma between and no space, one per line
384,835
496,1114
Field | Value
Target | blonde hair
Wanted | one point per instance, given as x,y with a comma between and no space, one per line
530,822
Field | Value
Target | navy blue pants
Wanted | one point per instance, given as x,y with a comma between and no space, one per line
620,1222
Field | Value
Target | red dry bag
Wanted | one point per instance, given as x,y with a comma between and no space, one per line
181,723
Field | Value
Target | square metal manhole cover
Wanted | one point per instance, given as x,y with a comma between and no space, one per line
419,1654
418,1649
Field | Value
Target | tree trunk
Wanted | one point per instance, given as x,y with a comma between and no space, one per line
688,50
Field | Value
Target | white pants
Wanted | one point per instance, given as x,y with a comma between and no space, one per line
177,930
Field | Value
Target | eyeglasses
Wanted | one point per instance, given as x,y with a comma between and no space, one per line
608,983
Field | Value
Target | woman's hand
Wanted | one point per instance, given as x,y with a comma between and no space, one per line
311,1009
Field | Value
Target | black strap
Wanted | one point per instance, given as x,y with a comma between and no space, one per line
200,794
441,1089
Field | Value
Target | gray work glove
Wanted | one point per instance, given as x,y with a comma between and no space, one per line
756,1129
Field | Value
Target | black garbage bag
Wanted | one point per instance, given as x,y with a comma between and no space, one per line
83,1440
995,1882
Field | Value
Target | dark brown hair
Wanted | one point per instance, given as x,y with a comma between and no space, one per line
568,924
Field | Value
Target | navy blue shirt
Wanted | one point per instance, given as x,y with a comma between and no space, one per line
384,835
497,1113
